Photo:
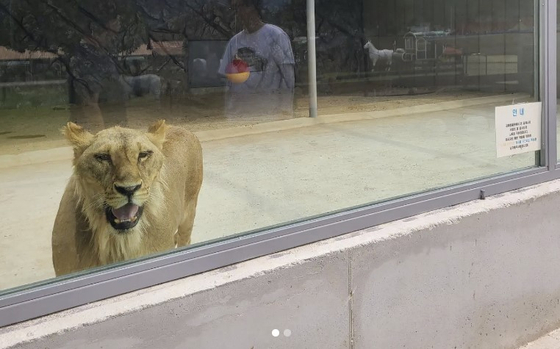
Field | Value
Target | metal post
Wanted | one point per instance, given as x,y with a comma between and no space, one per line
539,36
547,82
311,58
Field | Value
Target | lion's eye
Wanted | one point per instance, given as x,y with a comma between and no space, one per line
102,157
144,154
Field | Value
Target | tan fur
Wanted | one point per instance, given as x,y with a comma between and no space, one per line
171,178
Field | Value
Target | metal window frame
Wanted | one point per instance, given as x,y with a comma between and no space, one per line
46,298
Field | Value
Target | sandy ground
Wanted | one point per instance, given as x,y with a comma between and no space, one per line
260,180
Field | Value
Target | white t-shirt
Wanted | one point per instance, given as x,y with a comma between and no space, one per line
268,89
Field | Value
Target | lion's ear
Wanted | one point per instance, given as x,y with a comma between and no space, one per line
156,133
78,137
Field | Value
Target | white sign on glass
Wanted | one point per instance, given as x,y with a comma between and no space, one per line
518,128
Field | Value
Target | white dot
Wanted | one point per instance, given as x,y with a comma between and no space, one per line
287,333
275,333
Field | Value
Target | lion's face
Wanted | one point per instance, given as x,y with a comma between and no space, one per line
116,169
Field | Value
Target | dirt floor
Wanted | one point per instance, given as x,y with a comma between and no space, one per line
36,128
261,180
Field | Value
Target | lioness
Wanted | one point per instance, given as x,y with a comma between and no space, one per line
132,193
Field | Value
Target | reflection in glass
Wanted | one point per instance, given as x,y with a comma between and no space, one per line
406,98
259,65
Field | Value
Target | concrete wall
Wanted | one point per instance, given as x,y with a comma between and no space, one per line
480,275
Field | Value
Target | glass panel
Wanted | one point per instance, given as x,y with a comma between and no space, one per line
409,112
418,83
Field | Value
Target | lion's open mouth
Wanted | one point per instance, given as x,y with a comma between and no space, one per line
125,217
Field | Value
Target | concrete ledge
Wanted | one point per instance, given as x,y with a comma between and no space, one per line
275,126
478,275
65,153
549,341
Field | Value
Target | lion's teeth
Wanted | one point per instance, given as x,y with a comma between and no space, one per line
118,221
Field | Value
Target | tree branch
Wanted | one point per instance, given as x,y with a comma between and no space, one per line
19,24
175,60
207,20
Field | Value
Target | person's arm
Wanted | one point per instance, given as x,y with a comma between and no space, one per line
288,75
226,59
284,58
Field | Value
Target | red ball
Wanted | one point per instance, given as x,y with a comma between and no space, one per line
237,71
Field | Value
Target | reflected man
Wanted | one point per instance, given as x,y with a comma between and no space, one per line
263,54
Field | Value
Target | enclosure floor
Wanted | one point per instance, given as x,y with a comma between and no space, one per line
259,180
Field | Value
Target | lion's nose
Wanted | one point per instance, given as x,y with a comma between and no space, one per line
127,191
